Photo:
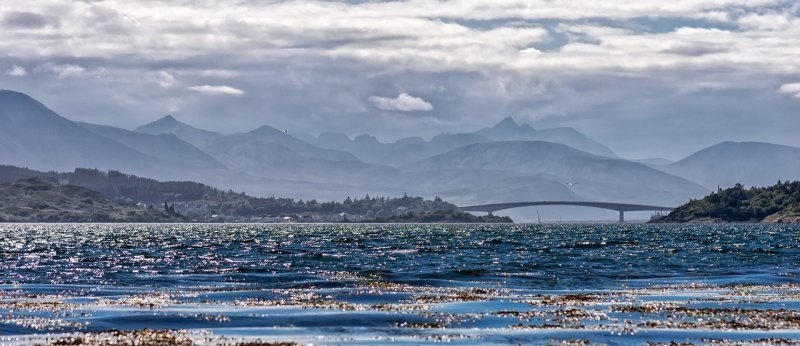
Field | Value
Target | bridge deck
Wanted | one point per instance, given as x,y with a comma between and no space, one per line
622,207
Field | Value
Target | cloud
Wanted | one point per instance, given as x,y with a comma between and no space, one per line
317,64
530,51
27,20
68,71
216,90
219,73
17,71
791,88
165,79
403,103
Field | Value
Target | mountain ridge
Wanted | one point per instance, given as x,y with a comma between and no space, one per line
36,200
558,160
749,163
37,137
169,125
163,146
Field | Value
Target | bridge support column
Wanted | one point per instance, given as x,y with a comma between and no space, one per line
621,216
489,214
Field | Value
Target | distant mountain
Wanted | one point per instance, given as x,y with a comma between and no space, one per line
264,158
270,153
164,146
169,125
463,167
476,186
34,136
411,149
332,140
403,151
509,130
266,134
35,200
593,177
747,163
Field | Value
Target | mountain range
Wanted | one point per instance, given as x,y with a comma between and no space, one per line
411,149
507,162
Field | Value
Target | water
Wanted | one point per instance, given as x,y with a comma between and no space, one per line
403,284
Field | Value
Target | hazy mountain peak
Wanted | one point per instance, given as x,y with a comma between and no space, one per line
506,129
169,125
509,130
509,124
168,119
265,129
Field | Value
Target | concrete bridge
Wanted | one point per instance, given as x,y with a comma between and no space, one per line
620,207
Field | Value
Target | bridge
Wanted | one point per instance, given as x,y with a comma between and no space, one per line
620,207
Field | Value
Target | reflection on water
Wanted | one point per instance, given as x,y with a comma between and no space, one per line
406,284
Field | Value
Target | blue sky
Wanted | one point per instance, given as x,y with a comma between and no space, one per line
650,78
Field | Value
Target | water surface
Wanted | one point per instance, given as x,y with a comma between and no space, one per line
404,284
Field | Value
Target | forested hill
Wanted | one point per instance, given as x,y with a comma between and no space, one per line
114,184
199,200
36,200
777,203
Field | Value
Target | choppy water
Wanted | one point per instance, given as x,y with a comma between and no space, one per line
405,284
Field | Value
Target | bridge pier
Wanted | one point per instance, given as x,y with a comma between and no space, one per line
621,216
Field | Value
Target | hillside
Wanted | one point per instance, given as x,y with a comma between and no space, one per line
776,203
746,163
163,146
198,201
36,200
264,158
34,136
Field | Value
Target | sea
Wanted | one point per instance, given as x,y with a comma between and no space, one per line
399,284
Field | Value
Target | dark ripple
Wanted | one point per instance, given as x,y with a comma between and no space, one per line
552,256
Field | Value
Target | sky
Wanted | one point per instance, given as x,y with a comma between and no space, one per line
649,78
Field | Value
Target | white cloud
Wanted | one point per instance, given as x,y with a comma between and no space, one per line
68,71
403,103
216,90
17,71
530,52
219,73
165,79
791,88
412,35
